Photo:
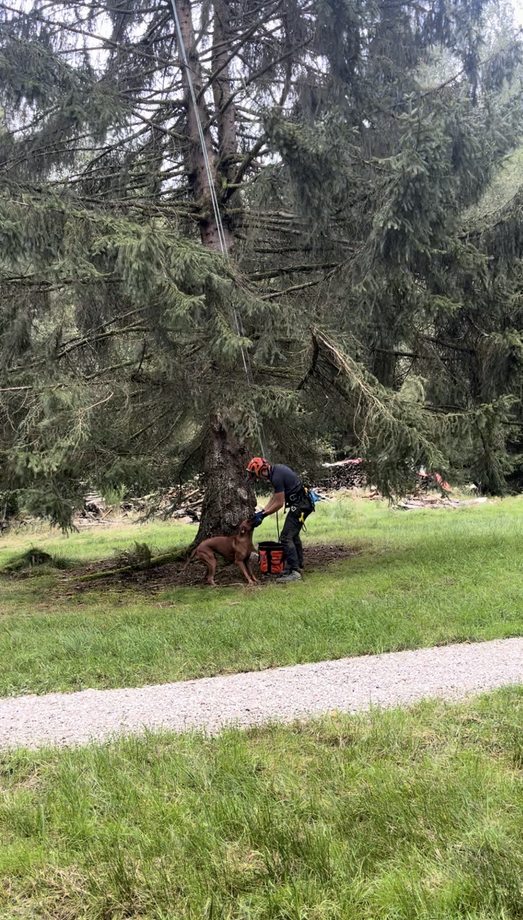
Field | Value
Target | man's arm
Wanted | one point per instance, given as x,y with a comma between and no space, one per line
277,501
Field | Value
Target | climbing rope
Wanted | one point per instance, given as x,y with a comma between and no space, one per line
212,190
216,207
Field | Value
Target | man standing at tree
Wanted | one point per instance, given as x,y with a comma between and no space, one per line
289,492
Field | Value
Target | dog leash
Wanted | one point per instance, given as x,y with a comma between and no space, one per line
278,527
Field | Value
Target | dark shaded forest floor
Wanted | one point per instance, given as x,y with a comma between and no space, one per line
174,574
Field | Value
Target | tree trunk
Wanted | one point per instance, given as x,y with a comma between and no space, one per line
229,497
384,366
225,114
196,166
222,91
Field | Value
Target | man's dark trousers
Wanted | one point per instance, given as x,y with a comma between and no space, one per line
290,537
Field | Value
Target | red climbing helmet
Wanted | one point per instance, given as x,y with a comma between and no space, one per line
258,466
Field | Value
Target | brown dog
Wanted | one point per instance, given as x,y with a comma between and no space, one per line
237,549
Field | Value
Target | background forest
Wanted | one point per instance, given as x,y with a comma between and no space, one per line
227,228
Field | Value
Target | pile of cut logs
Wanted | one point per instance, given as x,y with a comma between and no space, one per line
189,512
344,474
183,503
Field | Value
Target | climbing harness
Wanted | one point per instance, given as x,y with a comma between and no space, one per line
301,501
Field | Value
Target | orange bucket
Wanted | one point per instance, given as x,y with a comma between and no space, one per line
271,556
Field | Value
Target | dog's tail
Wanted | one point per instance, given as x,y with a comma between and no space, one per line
193,554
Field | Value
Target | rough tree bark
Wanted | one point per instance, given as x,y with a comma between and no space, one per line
228,158
229,497
197,169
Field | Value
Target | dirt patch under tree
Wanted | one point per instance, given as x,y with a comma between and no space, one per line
174,575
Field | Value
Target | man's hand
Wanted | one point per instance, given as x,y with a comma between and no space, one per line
276,503
258,518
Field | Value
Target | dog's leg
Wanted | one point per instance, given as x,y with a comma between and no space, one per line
248,566
243,568
211,563
207,556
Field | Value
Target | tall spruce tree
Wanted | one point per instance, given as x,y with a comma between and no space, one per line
187,190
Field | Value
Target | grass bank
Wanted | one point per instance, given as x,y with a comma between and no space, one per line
418,579
401,814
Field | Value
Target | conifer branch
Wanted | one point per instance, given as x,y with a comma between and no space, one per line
234,52
264,70
99,403
512,44
13,389
306,284
115,367
108,322
246,162
158,418
289,269
451,345
89,339
68,27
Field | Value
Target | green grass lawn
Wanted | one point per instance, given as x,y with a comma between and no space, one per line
397,815
418,579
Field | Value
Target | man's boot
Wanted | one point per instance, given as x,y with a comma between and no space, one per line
293,575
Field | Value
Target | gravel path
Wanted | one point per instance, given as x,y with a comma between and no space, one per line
283,694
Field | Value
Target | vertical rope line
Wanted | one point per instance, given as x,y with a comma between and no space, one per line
212,190
246,368
214,201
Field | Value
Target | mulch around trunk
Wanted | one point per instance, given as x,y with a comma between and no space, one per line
173,575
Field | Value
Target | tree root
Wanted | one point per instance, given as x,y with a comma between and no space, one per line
176,556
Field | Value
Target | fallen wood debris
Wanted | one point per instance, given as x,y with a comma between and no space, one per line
183,504
344,474
151,562
437,501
